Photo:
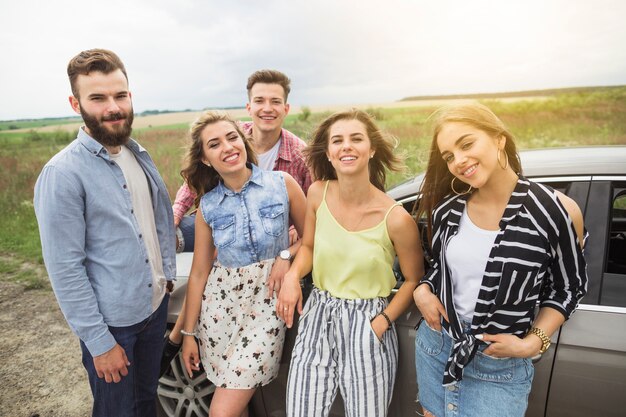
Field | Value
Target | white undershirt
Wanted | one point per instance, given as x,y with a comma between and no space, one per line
467,254
268,159
141,199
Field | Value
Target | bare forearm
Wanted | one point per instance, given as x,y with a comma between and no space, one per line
548,320
295,248
193,302
508,345
401,301
303,262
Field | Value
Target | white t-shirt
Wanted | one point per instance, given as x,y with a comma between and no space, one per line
268,159
466,256
137,184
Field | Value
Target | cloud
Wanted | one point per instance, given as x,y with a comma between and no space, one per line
196,54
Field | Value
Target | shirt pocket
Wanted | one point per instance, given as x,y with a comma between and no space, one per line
519,284
223,231
272,218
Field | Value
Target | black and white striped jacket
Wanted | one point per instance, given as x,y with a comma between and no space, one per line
536,257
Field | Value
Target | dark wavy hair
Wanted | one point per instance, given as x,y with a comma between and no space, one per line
200,177
383,145
438,178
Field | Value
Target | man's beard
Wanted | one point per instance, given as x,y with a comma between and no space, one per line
104,135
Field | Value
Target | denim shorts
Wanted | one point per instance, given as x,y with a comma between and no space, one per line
490,386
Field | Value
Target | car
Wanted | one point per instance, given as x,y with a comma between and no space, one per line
583,372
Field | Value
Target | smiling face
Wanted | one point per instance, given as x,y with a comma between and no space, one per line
223,148
105,105
267,106
470,153
349,147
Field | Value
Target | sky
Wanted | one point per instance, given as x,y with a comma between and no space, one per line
194,54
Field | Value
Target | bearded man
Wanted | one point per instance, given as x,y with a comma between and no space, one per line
107,237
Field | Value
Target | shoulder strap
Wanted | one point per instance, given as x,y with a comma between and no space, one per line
391,208
325,189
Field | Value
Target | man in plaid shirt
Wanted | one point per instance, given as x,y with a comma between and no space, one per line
276,148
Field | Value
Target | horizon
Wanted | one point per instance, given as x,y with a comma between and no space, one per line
478,96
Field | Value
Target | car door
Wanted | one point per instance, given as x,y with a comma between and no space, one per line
589,373
577,188
404,402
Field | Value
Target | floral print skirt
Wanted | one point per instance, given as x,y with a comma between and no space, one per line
240,336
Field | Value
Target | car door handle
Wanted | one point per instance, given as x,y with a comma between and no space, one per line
536,358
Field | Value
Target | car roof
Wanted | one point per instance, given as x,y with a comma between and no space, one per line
551,162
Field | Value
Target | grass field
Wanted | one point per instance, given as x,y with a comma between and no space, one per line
36,123
591,117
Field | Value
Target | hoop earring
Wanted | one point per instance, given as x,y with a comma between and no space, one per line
455,191
506,160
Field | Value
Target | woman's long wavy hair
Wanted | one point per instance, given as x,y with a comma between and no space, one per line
438,178
200,177
382,145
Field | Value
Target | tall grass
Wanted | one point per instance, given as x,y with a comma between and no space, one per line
586,118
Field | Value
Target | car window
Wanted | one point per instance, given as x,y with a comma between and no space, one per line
561,186
614,286
616,262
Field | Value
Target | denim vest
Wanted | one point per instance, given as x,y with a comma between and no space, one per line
251,225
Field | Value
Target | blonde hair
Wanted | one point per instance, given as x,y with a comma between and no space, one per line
438,178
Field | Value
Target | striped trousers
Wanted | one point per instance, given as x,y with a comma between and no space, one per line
337,348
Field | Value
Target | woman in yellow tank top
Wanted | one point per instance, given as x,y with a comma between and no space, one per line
353,231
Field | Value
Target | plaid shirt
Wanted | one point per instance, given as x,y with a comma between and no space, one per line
289,160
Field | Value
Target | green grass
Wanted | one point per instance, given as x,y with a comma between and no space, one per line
33,139
572,119
175,126
8,125
31,277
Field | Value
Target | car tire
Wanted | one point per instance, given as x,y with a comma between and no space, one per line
180,395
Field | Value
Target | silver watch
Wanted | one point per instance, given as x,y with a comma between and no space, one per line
285,254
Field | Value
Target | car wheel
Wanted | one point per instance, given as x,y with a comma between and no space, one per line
180,395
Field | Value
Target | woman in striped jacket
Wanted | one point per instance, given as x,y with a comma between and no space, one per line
500,244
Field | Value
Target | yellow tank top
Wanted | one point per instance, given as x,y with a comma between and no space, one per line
352,265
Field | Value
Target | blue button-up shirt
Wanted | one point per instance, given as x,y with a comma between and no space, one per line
251,225
91,242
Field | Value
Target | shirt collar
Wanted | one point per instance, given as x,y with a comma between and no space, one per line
456,209
285,149
92,145
515,201
256,178
510,212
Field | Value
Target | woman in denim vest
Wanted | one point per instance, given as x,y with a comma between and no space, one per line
241,255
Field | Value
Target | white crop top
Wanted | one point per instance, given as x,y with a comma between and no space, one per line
467,255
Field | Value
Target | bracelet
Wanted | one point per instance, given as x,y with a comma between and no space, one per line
545,340
184,333
382,313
